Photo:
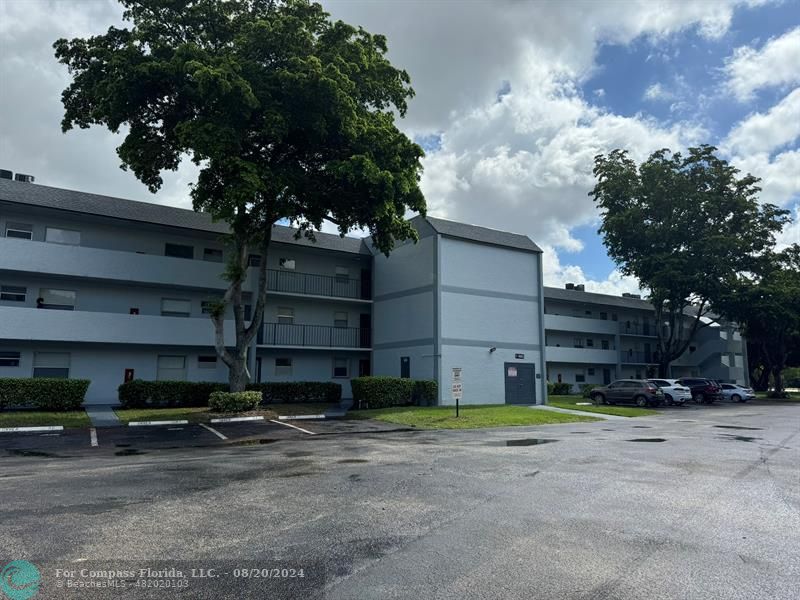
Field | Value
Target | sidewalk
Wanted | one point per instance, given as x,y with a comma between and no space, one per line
102,416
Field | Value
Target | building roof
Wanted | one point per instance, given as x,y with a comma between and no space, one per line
555,293
484,235
32,194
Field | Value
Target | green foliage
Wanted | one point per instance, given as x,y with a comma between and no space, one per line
43,393
684,226
382,392
586,389
234,401
558,389
298,391
141,394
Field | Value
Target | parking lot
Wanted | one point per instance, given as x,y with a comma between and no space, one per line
700,502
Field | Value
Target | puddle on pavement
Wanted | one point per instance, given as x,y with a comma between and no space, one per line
642,427
122,445
608,430
579,432
739,438
129,452
528,442
37,453
647,440
742,427
348,461
257,442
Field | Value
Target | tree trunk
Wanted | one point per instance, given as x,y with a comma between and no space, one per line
760,380
777,381
663,369
238,374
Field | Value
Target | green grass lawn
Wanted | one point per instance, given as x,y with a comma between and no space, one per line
622,411
793,397
203,414
34,418
471,417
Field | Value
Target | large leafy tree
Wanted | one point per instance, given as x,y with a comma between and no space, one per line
288,114
684,226
766,303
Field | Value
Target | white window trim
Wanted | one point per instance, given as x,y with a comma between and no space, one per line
23,294
173,313
333,368
284,370
47,230
10,227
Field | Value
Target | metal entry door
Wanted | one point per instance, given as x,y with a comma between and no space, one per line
520,383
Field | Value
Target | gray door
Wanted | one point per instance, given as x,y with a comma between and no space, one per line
520,383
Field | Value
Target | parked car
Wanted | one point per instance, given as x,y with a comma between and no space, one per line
637,391
674,392
737,393
704,391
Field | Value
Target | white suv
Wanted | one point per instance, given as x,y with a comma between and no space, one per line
674,393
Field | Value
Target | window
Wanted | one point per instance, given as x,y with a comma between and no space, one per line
340,319
178,251
207,361
286,315
56,299
9,359
212,255
22,231
590,371
604,316
340,367
175,308
51,364
614,317
588,313
604,344
62,236
578,343
580,378
171,368
13,293
589,343
286,263
254,260
405,367
283,366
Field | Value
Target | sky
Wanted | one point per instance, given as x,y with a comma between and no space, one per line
513,101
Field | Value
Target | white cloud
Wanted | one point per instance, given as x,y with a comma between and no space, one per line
764,132
780,176
791,232
657,92
556,275
774,64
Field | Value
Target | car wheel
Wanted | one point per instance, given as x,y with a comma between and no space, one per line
641,401
736,398
698,398
598,399
668,400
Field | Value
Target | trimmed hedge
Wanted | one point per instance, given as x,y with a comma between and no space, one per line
586,389
298,391
558,389
234,401
382,392
43,393
140,394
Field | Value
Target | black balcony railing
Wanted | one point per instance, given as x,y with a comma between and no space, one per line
636,328
639,357
286,334
319,285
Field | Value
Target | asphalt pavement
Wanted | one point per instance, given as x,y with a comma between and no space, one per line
696,503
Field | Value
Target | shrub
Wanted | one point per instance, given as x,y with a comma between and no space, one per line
425,392
234,401
586,389
382,392
298,391
43,393
140,394
558,389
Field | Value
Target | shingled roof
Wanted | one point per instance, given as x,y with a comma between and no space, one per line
485,235
147,212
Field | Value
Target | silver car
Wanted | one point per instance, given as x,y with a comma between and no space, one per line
737,393
674,393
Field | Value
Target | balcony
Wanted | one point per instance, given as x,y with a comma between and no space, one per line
290,282
314,336
637,357
31,324
638,329
579,324
593,356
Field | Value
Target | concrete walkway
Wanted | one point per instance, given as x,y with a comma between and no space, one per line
102,416
581,412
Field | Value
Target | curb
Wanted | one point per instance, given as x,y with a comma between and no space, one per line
237,419
301,417
26,429
148,423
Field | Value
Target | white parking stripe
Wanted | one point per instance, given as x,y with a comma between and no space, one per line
237,419
25,429
292,426
93,437
148,423
214,431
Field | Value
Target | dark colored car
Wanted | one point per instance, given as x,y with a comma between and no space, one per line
704,391
623,391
